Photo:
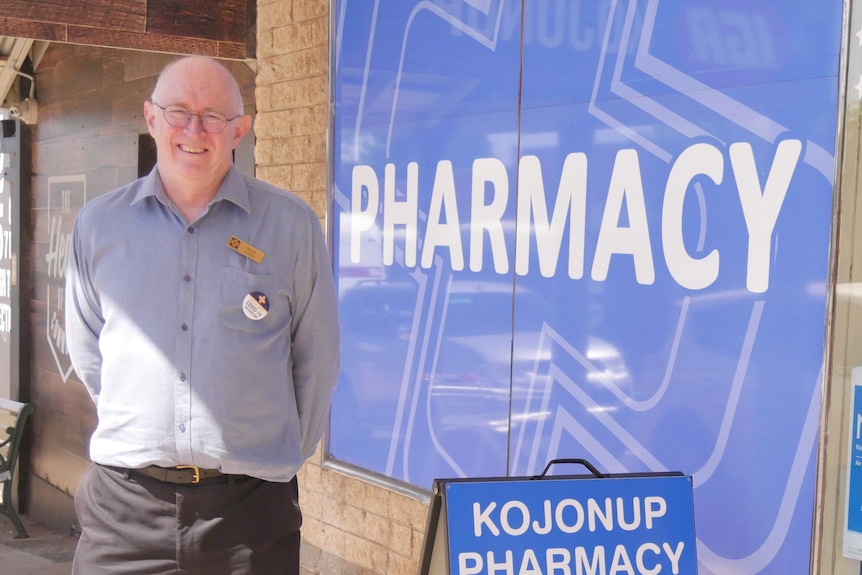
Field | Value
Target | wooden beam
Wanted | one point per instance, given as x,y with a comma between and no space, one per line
158,43
19,28
222,29
114,14
225,20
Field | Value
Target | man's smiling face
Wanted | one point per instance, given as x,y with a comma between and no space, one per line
190,156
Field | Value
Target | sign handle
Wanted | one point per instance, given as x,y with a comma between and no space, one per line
583,462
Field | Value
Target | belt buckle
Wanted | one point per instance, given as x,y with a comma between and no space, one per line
196,475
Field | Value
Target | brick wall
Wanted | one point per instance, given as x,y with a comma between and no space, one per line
350,526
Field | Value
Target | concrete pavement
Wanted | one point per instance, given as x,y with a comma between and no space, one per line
45,552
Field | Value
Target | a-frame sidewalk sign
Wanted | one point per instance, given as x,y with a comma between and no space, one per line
638,523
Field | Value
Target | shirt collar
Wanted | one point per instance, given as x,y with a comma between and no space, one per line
232,188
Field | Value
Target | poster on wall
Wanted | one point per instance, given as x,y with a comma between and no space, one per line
852,543
66,196
10,194
590,229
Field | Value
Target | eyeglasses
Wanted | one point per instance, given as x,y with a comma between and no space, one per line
179,117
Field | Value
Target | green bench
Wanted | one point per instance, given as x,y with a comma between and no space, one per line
13,417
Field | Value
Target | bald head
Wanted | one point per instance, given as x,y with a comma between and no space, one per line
199,76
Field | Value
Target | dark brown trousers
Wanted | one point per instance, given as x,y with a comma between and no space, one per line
134,525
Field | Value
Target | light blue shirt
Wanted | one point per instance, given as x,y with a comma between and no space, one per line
193,352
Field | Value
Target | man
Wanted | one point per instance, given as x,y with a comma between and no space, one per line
201,317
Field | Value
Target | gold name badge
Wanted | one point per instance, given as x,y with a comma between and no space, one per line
246,249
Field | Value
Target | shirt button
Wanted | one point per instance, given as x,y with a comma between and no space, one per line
184,327
187,278
182,377
191,229
182,428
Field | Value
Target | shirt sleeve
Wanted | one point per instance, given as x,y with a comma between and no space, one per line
84,321
315,337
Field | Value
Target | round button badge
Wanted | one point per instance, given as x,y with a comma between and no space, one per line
255,306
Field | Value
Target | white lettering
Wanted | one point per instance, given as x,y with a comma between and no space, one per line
572,193
448,234
761,208
558,560
504,518
58,249
621,562
623,229
400,213
58,334
470,564
558,516
626,185
488,217
5,242
654,507
362,220
530,564
515,517
639,559
5,318
595,512
506,566
586,566
636,514
66,200
646,559
674,555
481,518
546,528
5,279
688,272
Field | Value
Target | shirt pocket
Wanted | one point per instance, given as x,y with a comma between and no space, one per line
253,303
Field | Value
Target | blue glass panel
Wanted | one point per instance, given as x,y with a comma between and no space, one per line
599,232
677,347
424,89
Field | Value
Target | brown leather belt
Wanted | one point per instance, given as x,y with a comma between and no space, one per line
181,474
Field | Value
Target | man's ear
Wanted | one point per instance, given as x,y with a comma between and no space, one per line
243,125
150,115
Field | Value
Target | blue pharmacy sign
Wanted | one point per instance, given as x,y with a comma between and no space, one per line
852,545
593,228
641,525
